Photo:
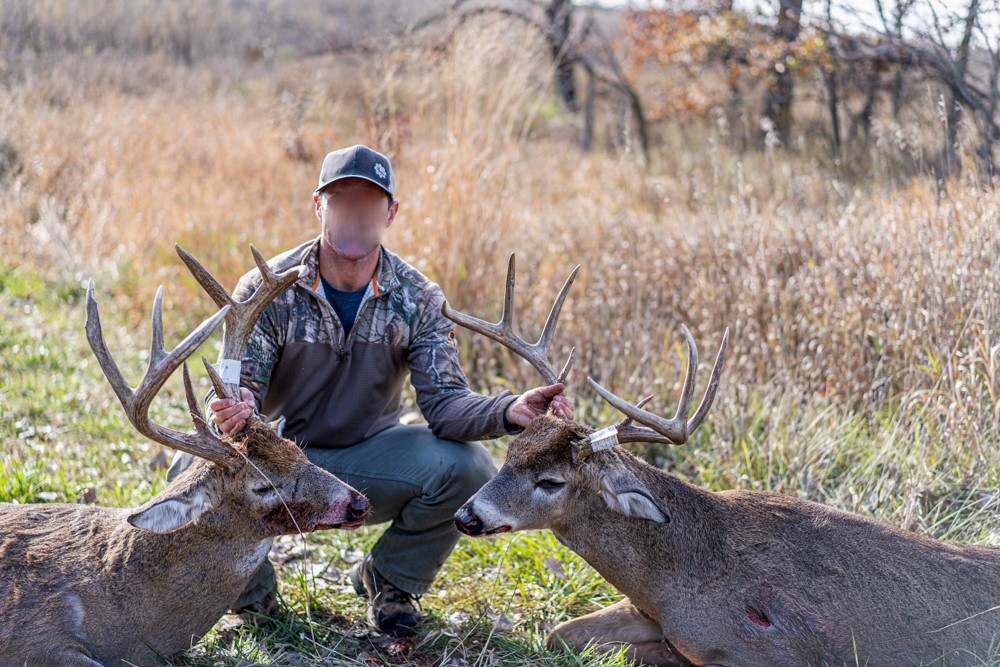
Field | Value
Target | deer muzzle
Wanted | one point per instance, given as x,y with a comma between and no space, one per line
348,517
469,523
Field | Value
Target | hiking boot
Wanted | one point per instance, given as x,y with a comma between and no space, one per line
391,610
261,595
266,606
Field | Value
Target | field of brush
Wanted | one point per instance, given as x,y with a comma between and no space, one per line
864,365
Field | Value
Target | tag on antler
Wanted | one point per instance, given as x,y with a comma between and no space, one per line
606,438
229,370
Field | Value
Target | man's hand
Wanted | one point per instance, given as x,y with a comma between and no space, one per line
535,403
231,416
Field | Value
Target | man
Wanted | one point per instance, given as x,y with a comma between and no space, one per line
330,355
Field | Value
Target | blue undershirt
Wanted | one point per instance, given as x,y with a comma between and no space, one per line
345,304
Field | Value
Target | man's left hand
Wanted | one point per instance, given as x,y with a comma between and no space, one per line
536,402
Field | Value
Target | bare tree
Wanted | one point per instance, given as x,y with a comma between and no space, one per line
558,16
778,100
586,49
830,76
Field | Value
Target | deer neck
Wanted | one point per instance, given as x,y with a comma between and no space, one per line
218,549
639,555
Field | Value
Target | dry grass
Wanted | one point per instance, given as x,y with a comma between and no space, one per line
863,368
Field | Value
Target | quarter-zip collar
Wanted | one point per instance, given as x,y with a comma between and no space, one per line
384,281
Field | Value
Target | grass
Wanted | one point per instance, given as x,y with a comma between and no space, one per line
863,369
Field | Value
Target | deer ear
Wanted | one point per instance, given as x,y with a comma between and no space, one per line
625,495
278,425
171,513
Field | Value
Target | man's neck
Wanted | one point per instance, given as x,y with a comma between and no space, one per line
346,275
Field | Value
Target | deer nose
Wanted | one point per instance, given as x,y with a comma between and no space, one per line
467,522
359,508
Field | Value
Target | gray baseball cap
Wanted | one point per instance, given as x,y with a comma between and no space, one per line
358,162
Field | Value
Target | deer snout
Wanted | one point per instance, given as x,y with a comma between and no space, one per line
467,522
357,511
349,512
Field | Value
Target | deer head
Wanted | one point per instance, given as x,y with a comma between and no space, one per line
255,482
551,467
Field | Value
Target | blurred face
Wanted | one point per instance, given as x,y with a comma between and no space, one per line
355,214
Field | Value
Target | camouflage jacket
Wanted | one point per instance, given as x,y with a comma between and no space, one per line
335,391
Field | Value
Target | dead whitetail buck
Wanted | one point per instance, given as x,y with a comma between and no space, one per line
737,578
85,586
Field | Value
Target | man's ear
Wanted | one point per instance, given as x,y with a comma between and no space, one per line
624,494
393,210
168,514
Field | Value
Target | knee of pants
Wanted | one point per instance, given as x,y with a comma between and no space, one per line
181,462
472,468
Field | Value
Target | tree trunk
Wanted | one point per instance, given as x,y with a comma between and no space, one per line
862,123
558,14
953,112
587,138
831,85
778,101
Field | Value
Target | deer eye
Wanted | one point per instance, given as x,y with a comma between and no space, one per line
264,490
549,485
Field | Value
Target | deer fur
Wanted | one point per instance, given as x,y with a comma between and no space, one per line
92,586
740,578
86,585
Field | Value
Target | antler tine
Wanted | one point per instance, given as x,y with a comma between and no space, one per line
713,385
687,389
503,331
194,408
243,315
509,313
568,366
627,422
670,434
213,376
668,431
550,322
207,281
162,364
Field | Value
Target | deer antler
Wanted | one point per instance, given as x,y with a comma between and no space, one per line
668,431
503,331
203,443
242,316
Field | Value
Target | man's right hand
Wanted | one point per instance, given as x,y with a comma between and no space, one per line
231,416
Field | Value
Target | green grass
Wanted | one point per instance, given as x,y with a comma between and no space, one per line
65,438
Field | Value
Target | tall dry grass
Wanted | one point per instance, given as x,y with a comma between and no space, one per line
863,364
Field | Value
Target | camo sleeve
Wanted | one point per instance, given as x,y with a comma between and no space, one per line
452,410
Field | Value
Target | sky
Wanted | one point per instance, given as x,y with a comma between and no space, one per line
856,15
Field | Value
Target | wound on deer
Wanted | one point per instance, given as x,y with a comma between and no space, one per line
758,617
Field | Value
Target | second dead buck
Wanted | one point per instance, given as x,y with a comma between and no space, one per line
740,578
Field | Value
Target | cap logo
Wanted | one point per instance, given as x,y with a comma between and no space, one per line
380,170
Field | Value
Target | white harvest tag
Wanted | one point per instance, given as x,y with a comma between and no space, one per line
606,438
229,370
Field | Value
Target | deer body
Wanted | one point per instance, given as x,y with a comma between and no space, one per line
117,586
92,586
738,578
123,598
752,578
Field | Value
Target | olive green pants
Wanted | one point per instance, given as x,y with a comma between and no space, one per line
414,480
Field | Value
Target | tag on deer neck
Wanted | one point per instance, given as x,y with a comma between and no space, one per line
229,370
606,438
